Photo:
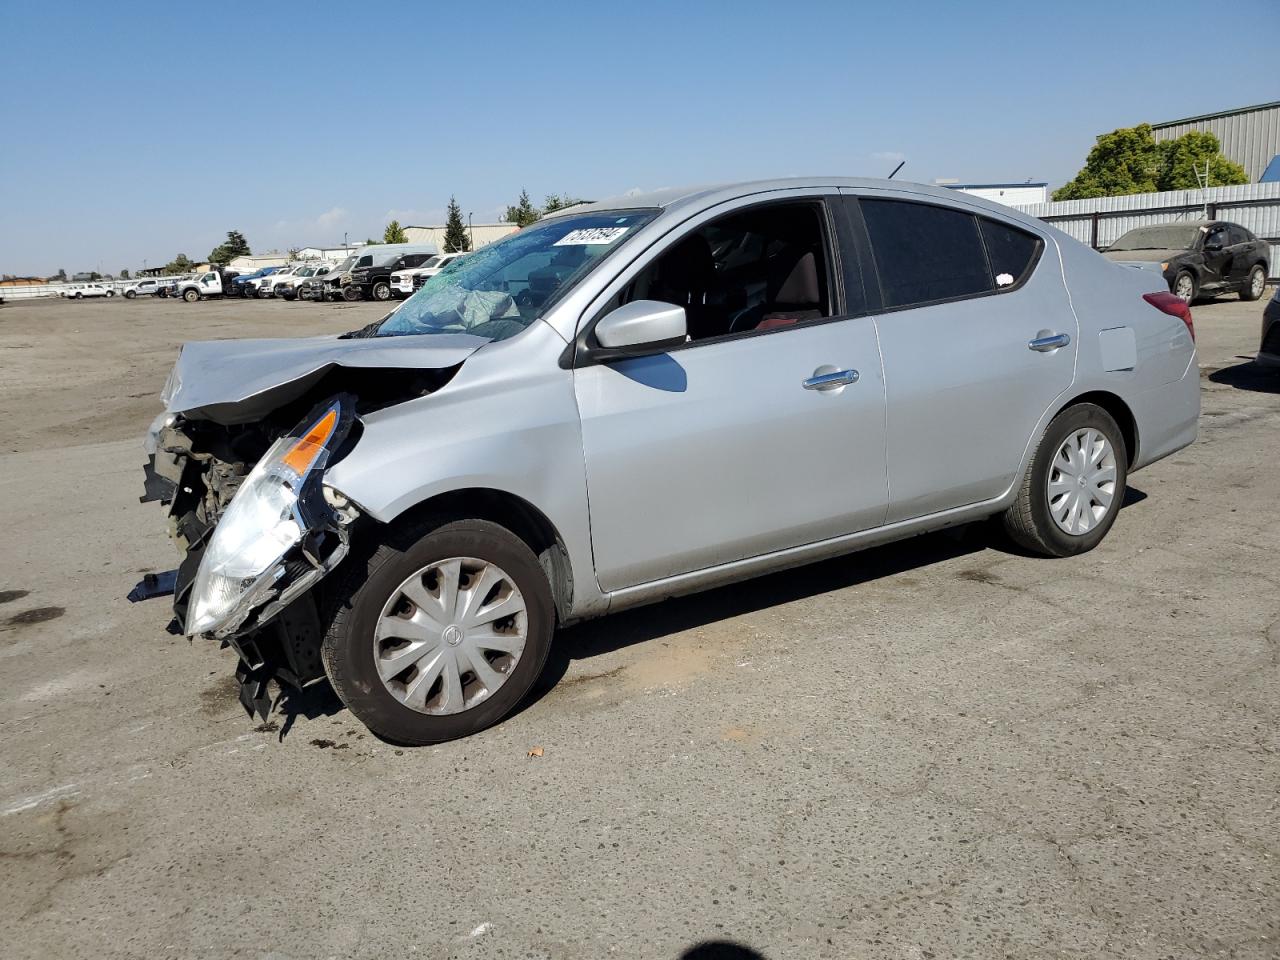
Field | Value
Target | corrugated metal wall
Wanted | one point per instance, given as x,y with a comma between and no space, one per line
1250,138
1255,206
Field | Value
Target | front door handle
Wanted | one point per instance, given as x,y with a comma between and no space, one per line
1051,342
826,381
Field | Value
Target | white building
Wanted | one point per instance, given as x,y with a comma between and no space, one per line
253,262
330,254
482,234
1011,194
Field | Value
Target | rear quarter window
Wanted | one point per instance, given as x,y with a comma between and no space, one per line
1012,252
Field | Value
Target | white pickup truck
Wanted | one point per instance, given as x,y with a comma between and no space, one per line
404,282
199,287
80,291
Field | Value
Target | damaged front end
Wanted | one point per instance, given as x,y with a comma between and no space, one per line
259,529
239,459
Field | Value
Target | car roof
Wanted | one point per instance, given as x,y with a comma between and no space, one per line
708,195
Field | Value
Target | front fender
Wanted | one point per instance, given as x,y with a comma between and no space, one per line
507,421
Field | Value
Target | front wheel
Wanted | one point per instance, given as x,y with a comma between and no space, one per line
1184,287
351,293
1074,484
440,632
1257,282
191,296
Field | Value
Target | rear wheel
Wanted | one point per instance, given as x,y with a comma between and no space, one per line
1073,486
110,293
79,295
1257,282
440,632
129,294
1184,286
382,290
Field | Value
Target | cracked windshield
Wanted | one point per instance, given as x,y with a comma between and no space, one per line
501,289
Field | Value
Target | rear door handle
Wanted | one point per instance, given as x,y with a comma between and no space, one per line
825,381
1052,342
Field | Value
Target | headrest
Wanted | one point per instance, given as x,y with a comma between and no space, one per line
801,285
689,265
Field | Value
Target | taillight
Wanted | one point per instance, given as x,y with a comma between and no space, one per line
1174,306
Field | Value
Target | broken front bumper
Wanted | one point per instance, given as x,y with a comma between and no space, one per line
268,614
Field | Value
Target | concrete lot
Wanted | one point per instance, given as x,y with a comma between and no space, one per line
934,749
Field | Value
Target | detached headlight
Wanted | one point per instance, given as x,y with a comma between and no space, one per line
264,521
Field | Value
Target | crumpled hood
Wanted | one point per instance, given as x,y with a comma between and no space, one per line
1142,256
217,379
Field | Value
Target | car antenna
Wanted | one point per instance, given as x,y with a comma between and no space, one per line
901,164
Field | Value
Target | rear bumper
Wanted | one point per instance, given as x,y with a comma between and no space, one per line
1167,416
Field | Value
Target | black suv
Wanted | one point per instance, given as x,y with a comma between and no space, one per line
374,281
1198,257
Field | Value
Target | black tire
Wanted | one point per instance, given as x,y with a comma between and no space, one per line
351,293
110,294
381,290
1028,522
1185,277
129,294
79,295
191,296
356,601
1246,292
250,293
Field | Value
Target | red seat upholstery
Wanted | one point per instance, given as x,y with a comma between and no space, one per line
772,323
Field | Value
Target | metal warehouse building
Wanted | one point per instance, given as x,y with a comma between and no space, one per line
1249,135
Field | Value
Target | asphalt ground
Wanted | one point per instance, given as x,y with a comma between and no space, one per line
933,749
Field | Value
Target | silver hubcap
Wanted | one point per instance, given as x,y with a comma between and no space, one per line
1259,281
1185,288
1082,482
450,635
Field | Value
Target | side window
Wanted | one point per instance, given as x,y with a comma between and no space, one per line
1216,236
1237,234
759,269
1011,252
925,253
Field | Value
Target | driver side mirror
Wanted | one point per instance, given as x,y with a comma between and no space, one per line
640,327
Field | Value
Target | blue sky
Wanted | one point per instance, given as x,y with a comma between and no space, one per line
135,131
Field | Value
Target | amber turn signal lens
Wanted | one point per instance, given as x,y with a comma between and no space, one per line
303,453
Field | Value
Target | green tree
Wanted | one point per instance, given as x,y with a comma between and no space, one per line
1129,160
557,201
179,264
1121,162
523,212
94,275
61,275
1182,163
394,233
124,274
455,231
234,246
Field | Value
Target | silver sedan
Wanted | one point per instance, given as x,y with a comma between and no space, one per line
644,397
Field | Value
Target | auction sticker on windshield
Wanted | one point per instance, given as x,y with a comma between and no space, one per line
591,235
